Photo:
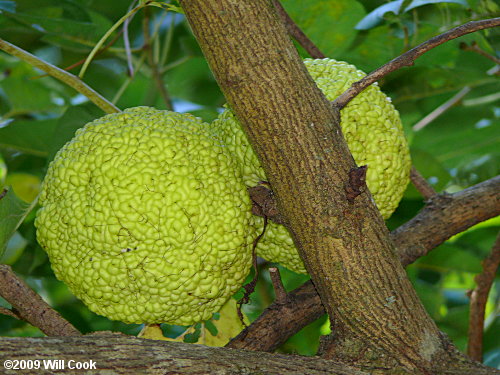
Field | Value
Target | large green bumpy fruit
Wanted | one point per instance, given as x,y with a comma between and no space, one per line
144,216
374,134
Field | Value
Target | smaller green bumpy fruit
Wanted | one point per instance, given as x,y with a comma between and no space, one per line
145,217
373,131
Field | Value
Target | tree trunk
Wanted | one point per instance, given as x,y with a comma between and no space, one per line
118,354
344,243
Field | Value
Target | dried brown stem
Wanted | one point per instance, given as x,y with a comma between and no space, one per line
408,58
478,299
421,184
279,289
475,48
444,216
296,33
30,307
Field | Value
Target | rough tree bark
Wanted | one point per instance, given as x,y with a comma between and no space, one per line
116,354
344,243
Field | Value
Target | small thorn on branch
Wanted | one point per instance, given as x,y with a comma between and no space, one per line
357,182
3,193
279,290
264,203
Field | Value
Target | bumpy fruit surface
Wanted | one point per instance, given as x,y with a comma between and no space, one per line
374,134
145,217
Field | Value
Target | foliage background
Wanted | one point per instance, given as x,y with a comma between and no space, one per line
455,151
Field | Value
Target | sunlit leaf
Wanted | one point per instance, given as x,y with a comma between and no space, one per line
12,213
329,24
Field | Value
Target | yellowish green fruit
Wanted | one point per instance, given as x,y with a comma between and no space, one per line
374,134
144,216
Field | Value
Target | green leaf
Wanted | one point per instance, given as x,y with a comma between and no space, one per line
26,95
50,20
193,81
329,24
376,17
31,137
8,6
373,49
457,136
14,249
418,3
431,169
73,119
12,213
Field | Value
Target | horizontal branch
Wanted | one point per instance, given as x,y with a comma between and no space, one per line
130,355
30,307
408,58
113,354
444,216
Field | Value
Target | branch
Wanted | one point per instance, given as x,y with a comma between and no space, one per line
155,71
297,33
421,184
444,216
131,355
29,306
475,48
478,299
61,75
441,109
408,58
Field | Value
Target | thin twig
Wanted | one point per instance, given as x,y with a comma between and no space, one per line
408,58
421,184
441,109
8,312
279,289
61,75
101,41
157,77
478,299
475,48
297,33
31,307
126,40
